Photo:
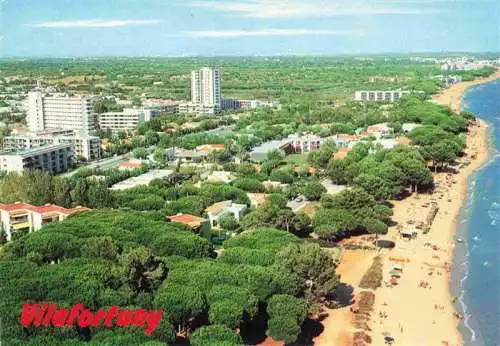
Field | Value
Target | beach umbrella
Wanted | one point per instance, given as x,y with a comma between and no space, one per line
395,273
393,281
397,267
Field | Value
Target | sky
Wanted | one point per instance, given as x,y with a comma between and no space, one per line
69,28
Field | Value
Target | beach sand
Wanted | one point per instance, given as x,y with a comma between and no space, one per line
338,328
452,96
417,316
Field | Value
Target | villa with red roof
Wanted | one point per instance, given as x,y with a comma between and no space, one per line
21,218
196,223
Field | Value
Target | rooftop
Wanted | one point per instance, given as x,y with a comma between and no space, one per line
44,209
143,179
192,221
219,206
38,150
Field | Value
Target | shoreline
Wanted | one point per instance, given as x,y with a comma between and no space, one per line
455,95
411,314
450,204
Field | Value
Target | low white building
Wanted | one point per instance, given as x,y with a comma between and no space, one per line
218,210
143,179
252,104
55,158
380,95
198,108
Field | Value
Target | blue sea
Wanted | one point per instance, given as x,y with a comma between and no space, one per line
476,272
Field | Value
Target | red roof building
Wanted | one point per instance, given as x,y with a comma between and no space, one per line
21,218
192,221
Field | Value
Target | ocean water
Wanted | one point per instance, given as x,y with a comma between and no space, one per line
476,270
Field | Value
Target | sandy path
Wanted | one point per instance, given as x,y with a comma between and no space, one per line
338,329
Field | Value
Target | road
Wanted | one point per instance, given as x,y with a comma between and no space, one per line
102,164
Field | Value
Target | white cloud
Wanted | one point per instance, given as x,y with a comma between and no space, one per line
95,23
304,9
269,32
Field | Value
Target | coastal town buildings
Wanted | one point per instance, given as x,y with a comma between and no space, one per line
304,143
54,158
84,145
61,112
21,218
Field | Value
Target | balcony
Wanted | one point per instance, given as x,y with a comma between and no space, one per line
19,218
50,219
21,225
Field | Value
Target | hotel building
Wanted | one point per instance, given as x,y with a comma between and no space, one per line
50,112
205,86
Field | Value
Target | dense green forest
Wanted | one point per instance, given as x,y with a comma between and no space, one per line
289,79
103,258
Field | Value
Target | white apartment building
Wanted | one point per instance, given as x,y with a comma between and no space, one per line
127,120
84,145
378,95
50,112
55,158
205,86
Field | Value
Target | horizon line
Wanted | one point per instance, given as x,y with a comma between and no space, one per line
194,55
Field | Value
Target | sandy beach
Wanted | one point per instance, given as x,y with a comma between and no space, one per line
452,96
419,309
